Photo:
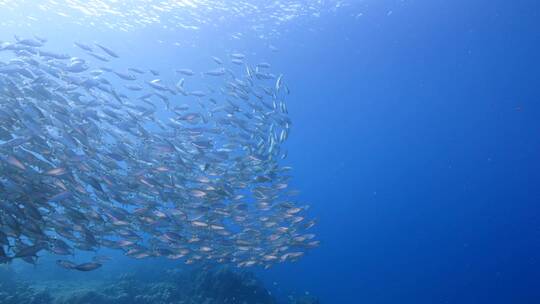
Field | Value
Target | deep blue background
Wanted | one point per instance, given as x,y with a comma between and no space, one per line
417,140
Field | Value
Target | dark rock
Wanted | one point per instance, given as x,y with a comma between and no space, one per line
306,300
226,286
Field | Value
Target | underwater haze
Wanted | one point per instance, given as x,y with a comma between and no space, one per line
281,151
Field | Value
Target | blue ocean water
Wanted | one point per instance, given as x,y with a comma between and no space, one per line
419,144
414,138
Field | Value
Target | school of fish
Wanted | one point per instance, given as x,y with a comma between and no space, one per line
93,157
190,15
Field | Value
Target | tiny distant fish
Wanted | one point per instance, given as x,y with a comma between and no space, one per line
279,82
60,196
15,162
263,65
83,46
40,39
203,179
29,42
186,72
202,144
136,70
238,56
197,93
87,266
198,193
14,142
99,57
132,87
199,224
101,259
125,76
66,264
237,61
56,171
215,72
107,50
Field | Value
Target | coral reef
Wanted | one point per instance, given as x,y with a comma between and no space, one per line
176,286
16,292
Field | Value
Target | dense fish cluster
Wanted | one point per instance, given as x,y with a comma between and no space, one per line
102,158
